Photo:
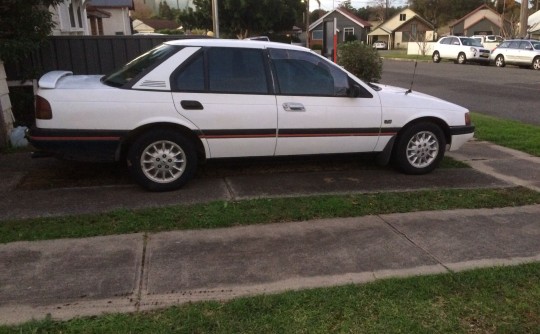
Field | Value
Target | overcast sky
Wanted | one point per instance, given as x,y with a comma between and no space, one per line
331,4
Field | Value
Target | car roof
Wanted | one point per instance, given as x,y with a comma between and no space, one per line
235,43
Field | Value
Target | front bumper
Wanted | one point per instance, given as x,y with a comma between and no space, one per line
460,135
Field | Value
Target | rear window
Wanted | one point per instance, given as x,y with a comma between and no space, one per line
137,66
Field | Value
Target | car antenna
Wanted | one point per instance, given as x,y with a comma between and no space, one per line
414,74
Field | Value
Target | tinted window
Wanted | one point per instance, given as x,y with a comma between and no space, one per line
536,45
233,70
303,73
514,44
525,45
445,40
139,65
504,45
191,77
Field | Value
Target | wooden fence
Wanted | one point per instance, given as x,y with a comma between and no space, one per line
84,54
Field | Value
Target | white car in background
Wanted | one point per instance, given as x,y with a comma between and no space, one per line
461,50
520,52
380,45
189,100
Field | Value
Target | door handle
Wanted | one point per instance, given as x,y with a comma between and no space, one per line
191,105
293,106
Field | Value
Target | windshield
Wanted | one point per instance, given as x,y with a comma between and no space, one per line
138,65
470,42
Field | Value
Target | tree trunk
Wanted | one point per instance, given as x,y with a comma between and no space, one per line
6,116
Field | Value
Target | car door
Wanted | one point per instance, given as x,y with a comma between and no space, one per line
512,53
315,113
226,93
525,53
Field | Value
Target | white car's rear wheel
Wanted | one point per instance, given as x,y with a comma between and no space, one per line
162,160
420,148
436,57
461,58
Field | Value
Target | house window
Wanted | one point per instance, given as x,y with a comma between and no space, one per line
79,17
347,32
71,15
75,15
403,17
317,35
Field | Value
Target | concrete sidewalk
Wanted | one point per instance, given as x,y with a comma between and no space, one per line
125,273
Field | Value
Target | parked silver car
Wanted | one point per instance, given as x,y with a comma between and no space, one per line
520,52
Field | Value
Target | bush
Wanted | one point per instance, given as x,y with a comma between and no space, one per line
361,60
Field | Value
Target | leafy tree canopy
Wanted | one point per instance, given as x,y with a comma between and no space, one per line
23,26
242,17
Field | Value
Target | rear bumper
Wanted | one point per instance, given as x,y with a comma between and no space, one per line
82,145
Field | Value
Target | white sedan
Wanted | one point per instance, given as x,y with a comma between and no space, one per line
190,100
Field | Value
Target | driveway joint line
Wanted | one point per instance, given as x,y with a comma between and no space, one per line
232,195
411,241
141,274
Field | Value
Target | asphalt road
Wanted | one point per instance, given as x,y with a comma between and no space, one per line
510,92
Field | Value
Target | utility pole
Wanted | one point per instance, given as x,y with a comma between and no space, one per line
215,18
307,23
524,15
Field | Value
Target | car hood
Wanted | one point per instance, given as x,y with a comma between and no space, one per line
65,80
397,97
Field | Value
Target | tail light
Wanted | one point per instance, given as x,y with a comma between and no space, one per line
43,108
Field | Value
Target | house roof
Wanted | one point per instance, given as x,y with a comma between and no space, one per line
344,12
158,24
482,7
111,3
393,23
534,22
97,12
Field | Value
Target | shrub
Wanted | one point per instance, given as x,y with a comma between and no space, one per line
361,60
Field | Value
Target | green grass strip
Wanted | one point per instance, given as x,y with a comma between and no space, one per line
512,134
259,211
495,300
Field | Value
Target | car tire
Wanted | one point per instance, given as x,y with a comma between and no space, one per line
536,63
461,58
436,57
162,160
419,148
499,61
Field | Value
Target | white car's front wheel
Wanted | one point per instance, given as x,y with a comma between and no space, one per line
536,63
162,160
499,61
420,148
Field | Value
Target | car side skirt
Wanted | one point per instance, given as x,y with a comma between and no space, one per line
82,145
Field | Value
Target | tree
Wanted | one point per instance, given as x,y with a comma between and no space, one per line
165,11
242,17
361,60
24,25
